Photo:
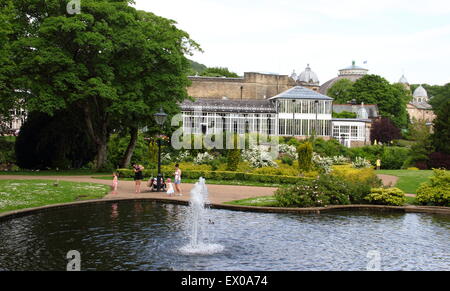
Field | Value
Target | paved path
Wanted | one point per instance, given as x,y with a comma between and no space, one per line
388,180
218,194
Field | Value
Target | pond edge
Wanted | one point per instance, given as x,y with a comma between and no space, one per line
402,209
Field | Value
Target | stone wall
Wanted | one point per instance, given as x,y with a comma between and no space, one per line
251,86
420,114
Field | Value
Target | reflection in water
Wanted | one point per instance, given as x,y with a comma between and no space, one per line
148,236
115,211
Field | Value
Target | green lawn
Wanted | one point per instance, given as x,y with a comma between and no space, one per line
18,194
409,180
55,173
265,201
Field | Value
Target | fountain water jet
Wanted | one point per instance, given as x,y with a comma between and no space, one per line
197,218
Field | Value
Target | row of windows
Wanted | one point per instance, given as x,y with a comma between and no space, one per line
349,132
305,106
235,123
289,127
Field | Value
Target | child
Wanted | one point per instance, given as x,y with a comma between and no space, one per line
115,183
170,190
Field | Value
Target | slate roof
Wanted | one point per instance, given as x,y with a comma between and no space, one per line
300,92
229,105
421,105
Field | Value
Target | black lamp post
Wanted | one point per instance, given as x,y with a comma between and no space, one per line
160,118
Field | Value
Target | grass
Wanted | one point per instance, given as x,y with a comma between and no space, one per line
18,194
265,201
55,173
409,180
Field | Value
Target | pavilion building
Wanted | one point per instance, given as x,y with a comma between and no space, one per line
298,112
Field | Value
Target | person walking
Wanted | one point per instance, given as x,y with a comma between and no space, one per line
138,177
378,164
178,180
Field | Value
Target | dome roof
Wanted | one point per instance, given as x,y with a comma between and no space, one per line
308,76
420,92
294,76
403,80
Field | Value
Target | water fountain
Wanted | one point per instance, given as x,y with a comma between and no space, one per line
197,219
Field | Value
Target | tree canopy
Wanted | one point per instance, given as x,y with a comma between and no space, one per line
341,91
441,135
373,89
219,72
115,64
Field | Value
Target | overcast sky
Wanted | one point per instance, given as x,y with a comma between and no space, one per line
393,36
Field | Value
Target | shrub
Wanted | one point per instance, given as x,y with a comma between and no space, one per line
234,157
218,175
361,163
341,160
439,161
305,156
361,181
323,164
307,194
289,151
390,196
259,157
435,192
327,190
370,153
203,158
7,155
339,191
394,158
287,160
276,171
330,148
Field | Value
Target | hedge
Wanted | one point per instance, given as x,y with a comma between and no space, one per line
221,176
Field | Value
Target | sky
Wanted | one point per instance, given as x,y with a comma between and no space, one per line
394,37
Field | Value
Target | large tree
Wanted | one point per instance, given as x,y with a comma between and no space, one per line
7,68
341,91
111,62
441,135
391,99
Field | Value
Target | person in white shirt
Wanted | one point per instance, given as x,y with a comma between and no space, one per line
170,190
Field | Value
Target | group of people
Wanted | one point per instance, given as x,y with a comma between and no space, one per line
139,177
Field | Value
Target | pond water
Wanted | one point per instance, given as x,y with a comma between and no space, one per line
152,236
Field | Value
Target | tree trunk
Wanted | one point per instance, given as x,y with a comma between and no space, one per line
130,149
99,135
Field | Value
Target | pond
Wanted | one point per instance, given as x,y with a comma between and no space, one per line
140,235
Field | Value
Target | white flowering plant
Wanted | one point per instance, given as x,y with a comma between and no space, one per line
341,160
259,157
361,163
203,158
323,163
288,151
